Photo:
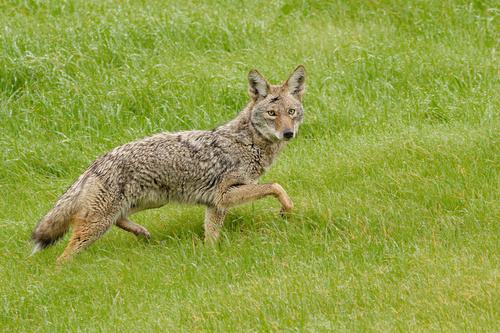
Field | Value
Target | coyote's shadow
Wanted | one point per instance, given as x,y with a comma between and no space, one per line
182,228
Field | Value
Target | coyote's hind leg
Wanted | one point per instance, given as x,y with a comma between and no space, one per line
85,232
132,227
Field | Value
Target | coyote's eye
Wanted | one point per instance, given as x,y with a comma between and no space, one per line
271,113
291,112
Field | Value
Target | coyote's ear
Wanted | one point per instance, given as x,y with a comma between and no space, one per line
258,87
295,84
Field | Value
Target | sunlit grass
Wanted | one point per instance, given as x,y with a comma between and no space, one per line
394,174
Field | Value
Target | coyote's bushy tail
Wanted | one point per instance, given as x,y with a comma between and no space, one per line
57,221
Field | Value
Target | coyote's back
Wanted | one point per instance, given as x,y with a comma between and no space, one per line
218,168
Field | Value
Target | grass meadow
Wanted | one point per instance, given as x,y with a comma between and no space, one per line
395,172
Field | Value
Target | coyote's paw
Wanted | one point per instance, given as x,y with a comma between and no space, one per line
286,211
284,199
142,231
64,259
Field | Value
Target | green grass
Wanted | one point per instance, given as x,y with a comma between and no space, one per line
395,173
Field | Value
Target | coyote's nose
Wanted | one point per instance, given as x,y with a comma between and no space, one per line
288,134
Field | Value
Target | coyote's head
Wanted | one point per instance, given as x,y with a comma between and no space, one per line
277,111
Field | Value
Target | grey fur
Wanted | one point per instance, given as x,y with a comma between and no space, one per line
218,168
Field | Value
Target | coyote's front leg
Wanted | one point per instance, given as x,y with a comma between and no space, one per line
214,220
241,194
238,195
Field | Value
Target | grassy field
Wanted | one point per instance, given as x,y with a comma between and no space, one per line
395,173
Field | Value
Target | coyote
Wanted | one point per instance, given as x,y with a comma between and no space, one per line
218,168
